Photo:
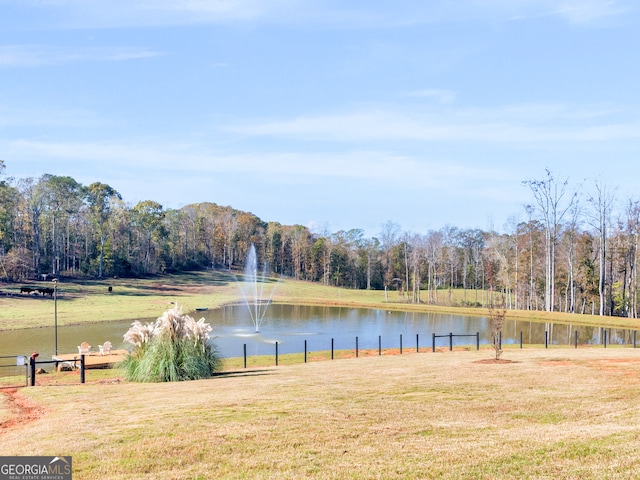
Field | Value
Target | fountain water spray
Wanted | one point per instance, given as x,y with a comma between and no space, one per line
253,289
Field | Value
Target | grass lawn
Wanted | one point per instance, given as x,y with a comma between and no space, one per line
552,414
558,413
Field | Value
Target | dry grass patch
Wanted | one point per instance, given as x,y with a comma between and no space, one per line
548,414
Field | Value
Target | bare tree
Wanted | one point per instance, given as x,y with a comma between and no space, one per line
530,209
370,248
433,247
416,260
550,199
601,202
570,240
389,239
633,235
450,236
496,320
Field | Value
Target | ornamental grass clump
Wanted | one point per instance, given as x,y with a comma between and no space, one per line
173,348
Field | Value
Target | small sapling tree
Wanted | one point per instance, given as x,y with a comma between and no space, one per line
496,319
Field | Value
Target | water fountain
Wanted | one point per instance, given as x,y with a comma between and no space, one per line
253,289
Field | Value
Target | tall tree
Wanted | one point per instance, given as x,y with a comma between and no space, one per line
62,197
601,201
450,235
552,202
388,238
416,261
147,217
9,201
632,251
100,198
433,247
34,204
570,236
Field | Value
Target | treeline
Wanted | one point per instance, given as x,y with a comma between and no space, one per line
570,253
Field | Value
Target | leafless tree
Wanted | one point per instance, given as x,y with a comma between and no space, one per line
389,239
601,201
496,320
550,197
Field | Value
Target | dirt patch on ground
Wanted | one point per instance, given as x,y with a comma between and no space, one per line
23,411
605,361
557,363
494,360
627,367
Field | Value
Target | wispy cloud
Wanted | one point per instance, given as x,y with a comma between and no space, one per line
574,11
162,159
358,14
29,116
81,14
41,55
444,96
520,124
242,9
587,11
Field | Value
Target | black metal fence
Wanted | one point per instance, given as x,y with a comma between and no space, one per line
33,364
357,346
450,336
14,371
474,341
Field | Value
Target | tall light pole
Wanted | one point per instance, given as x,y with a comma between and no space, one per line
55,310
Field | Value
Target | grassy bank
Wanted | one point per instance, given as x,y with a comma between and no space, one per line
560,413
91,301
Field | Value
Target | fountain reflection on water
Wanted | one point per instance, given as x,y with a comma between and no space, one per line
252,289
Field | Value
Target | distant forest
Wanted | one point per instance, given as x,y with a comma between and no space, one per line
576,251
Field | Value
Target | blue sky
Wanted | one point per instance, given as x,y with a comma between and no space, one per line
330,114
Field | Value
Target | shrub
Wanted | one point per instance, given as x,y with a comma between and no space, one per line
173,348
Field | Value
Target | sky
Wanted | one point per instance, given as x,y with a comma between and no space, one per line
330,114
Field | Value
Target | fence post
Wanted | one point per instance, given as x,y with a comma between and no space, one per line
305,351
82,368
433,342
500,339
356,347
379,345
32,364
450,341
332,349
634,338
605,338
576,339
276,354
520,339
477,340
417,343
245,355
400,344
546,339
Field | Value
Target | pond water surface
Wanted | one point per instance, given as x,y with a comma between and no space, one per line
291,325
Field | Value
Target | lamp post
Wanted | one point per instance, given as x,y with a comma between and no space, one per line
55,311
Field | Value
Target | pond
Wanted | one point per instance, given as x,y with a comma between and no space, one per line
291,325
